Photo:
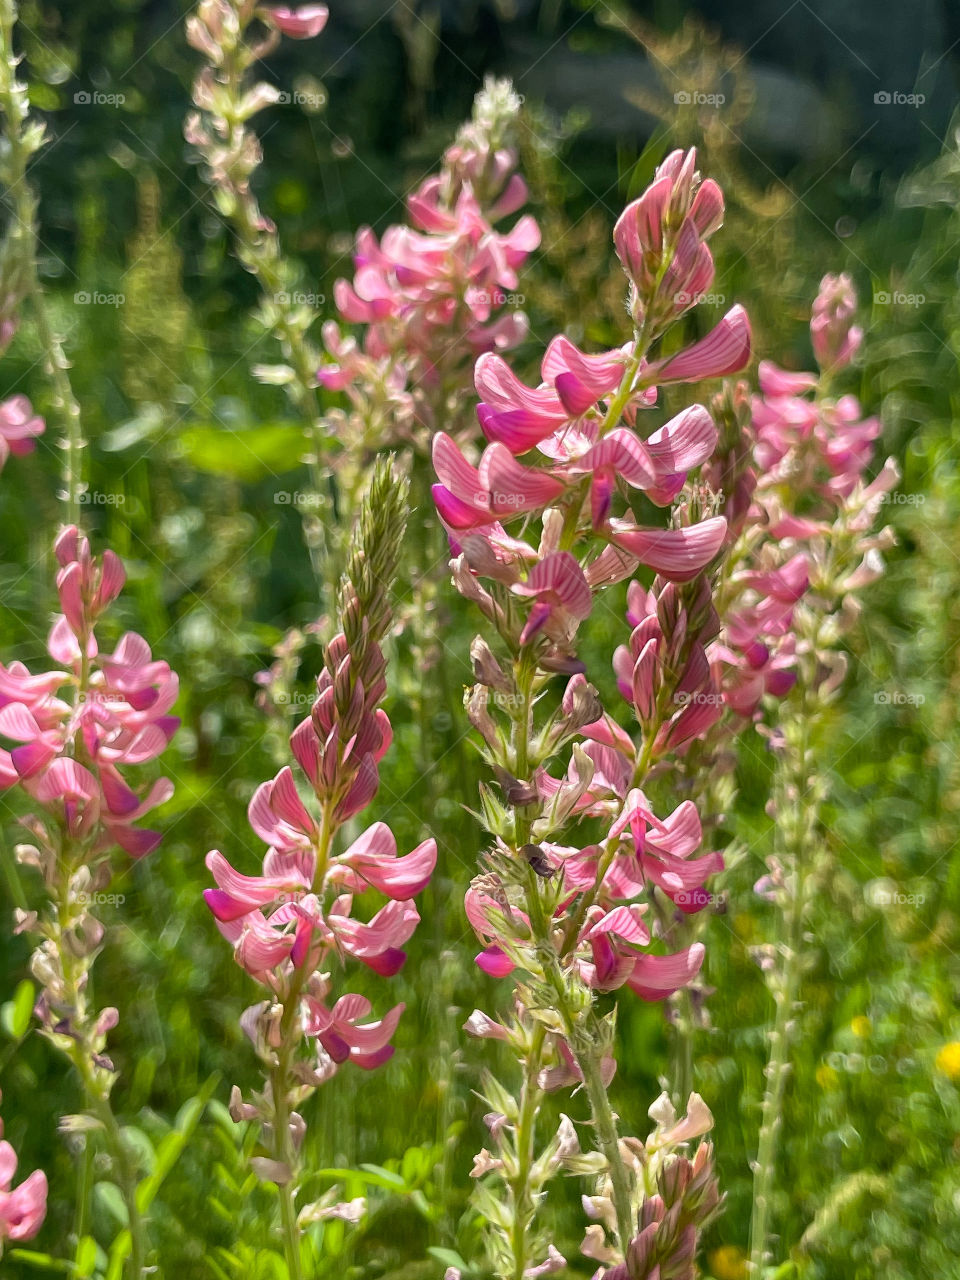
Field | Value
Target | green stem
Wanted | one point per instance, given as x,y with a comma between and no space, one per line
800,825
23,231
285,1155
97,1094
524,1207
280,1078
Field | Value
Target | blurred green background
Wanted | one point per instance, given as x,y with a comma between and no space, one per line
821,174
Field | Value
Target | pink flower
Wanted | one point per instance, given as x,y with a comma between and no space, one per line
116,712
660,240
19,427
23,1208
288,923
817,446
560,593
436,293
301,23
836,339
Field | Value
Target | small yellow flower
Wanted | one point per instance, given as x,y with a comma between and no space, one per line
729,1262
948,1060
827,1077
860,1027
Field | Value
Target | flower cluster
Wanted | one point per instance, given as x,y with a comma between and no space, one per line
77,729
22,1208
570,921
435,294
812,455
78,724
290,923
678,1198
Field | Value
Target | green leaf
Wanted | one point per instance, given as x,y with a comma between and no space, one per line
449,1257
392,1180
42,1261
248,455
111,1199
85,1259
17,1013
171,1146
118,1255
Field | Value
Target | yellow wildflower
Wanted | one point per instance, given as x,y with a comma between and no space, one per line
729,1262
948,1060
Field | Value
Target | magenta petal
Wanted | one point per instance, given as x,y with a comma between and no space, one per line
656,977
495,962
387,963
519,429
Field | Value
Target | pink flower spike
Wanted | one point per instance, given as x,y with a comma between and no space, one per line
301,23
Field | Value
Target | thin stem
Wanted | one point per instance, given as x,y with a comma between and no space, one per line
778,1065
280,1078
23,232
97,1095
524,1207
285,1155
